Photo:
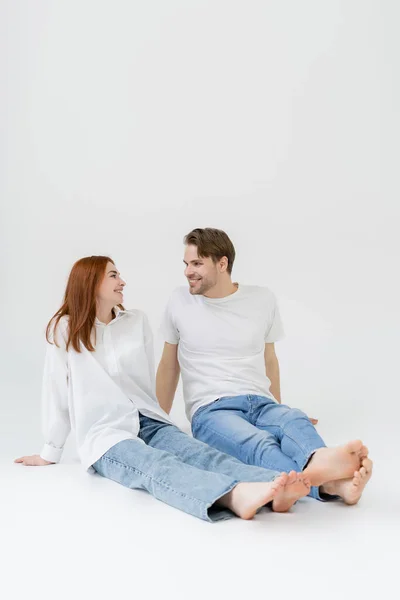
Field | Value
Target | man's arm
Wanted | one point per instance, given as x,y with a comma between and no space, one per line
272,371
167,376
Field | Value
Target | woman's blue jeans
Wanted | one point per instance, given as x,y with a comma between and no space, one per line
177,469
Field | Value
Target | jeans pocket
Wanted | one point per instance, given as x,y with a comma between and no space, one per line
201,410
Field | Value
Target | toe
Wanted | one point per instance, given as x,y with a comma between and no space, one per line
281,480
354,446
367,464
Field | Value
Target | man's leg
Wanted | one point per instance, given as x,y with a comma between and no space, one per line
299,439
291,428
224,425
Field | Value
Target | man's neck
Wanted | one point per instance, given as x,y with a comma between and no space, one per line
222,290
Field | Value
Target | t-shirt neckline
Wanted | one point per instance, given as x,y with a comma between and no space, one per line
224,298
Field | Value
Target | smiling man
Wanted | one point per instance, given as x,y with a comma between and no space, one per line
220,336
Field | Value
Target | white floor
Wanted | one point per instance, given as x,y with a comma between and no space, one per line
66,534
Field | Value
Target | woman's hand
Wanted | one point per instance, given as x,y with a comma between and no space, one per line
33,461
313,421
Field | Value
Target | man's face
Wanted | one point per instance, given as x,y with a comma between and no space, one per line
201,273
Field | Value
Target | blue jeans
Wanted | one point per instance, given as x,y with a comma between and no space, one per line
259,431
177,469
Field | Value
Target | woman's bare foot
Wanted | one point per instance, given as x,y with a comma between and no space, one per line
330,464
350,490
247,497
296,486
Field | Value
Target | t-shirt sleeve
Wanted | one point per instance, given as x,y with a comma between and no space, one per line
169,327
274,329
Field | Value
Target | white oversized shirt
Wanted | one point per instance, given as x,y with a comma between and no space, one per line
99,394
222,342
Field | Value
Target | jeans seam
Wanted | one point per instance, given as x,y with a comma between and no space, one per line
225,438
195,416
270,467
282,430
306,453
203,407
120,464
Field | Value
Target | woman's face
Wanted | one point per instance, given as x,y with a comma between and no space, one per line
112,286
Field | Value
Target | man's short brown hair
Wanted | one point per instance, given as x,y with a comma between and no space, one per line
213,243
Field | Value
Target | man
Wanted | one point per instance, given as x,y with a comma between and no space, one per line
220,336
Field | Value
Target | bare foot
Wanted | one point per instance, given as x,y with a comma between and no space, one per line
296,486
330,464
247,497
350,490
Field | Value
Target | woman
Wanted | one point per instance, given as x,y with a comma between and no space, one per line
99,380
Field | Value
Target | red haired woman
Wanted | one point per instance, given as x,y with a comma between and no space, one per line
99,380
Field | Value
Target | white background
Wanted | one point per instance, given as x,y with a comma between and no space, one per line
126,124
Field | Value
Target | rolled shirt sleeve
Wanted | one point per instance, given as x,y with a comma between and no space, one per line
55,414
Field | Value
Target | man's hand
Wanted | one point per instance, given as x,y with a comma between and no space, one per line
33,461
313,421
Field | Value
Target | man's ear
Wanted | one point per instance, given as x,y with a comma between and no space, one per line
223,263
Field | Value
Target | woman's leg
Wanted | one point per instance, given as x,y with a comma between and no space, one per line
169,438
139,466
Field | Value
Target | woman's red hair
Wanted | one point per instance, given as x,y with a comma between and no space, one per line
80,302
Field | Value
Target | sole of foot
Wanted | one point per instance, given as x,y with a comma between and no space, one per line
351,490
248,497
331,464
296,486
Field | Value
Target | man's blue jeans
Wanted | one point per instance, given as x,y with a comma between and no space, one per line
258,431
177,469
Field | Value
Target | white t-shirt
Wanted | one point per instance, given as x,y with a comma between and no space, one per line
221,342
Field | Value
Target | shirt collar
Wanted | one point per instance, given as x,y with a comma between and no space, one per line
117,311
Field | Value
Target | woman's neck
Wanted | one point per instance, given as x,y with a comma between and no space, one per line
105,314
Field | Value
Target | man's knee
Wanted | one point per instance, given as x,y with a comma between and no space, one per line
293,414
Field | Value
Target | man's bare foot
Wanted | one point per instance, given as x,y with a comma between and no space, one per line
330,464
247,497
296,486
350,490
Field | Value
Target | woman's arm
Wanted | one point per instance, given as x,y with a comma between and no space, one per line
55,414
